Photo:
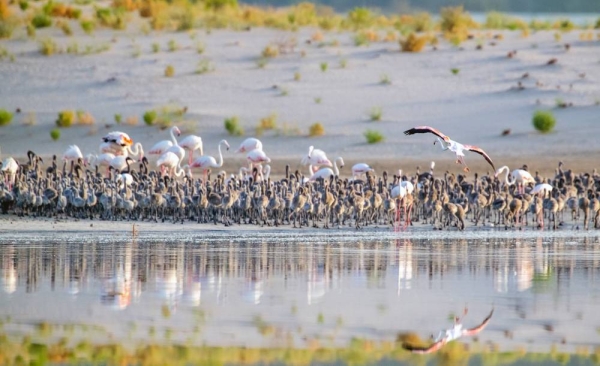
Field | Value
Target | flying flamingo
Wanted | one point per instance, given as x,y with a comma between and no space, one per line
448,144
249,144
519,176
316,158
206,162
10,167
360,169
119,138
257,157
192,142
451,334
161,147
325,173
170,161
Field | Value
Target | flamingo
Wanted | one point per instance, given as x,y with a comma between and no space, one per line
325,173
192,142
519,176
316,158
120,162
109,147
360,169
72,153
119,138
257,157
451,334
161,147
10,167
447,144
100,160
170,161
205,162
249,144
138,150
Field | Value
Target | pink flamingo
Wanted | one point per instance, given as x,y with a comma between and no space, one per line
206,162
249,144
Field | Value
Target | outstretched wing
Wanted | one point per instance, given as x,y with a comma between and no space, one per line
479,328
482,153
424,350
425,129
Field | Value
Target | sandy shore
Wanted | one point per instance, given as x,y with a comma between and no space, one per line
473,107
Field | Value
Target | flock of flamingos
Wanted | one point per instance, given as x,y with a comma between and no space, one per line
117,184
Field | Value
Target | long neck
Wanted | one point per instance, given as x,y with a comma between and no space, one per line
173,137
335,168
267,172
220,164
506,180
310,171
139,150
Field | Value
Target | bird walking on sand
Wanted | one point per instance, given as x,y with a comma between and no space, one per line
451,334
192,143
206,162
449,144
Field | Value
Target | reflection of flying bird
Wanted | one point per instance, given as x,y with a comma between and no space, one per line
448,144
449,335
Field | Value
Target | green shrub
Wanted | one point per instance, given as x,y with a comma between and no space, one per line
150,117
359,18
24,5
544,121
454,71
7,27
87,25
373,137
48,47
169,71
55,134
30,31
376,114
5,117
316,129
269,122
65,118
324,66
204,66
118,118
41,20
232,125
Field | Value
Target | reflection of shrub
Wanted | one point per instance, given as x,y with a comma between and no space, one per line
65,118
55,134
544,121
232,125
373,137
413,43
316,129
5,117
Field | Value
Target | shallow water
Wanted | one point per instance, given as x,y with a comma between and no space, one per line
295,290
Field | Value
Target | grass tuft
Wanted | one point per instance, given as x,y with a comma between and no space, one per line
316,129
48,47
375,114
373,136
65,118
169,71
55,134
414,43
232,125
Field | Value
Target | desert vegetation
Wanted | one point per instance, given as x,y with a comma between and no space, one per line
544,121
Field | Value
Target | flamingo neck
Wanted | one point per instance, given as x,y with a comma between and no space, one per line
220,163
172,132
335,168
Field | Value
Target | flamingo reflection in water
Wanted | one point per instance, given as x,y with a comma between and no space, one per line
449,335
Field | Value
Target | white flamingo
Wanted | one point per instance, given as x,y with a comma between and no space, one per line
72,153
316,158
257,157
118,138
120,162
170,161
447,144
325,173
192,143
360,169
249,144
519,176
10,167
206,162
163,146
99,159
137,151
